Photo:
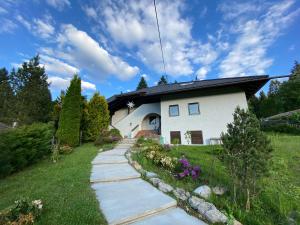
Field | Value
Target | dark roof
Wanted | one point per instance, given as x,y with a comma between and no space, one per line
249,84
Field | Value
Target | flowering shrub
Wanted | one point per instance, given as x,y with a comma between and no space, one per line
23,212
185,169
161,159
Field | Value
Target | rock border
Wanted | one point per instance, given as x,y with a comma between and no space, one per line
192,204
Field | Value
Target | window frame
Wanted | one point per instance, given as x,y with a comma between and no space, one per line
175,133
192,103
193,133
170,110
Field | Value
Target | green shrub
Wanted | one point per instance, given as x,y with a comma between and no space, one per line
70,115
65,149
24,146
108,137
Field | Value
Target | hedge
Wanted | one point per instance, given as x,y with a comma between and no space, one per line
24,146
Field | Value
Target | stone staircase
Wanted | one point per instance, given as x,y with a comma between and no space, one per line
125,198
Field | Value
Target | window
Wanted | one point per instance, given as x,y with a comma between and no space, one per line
173,110
175,137
152,120
194,108
196,137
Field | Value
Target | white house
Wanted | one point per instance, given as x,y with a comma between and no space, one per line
199,108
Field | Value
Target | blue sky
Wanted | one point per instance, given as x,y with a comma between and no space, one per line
111,44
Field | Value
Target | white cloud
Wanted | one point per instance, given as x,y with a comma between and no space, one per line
57,67
88,86
3,10
90,12
132,24
202,72
39,27
24,22
58,4
248,55
58,83
7,26
83,51
43,28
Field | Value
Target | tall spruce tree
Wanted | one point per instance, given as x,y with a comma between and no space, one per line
98,116
7,111
162,80
68,132
33,97
142,84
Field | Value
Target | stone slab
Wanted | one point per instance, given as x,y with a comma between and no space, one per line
174,216
109,159
115,151
113,172
124,202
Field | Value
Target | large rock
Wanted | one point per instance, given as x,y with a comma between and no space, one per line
235,222
203,207
136,165
150,175
155,181
215,216
203,191
165,187
218,190
181,194
195,201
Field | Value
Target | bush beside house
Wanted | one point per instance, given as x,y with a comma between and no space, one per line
24,146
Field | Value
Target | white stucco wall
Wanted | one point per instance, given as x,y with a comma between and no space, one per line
135,118
119,115
215,113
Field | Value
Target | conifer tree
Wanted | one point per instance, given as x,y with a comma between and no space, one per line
6,98
162,80
98,116
33,97
142,84
246,153
70,116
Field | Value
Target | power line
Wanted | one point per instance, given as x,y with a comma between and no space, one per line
161,48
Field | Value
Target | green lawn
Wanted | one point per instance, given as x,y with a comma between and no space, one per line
280,192
63,187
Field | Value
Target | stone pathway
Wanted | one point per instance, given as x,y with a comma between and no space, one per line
125,198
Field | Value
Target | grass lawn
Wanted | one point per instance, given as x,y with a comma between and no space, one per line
64,188
280,192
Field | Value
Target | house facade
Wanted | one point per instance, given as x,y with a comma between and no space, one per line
187,113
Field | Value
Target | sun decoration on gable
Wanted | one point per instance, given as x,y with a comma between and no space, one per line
130,105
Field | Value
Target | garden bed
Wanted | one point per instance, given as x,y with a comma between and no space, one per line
278,199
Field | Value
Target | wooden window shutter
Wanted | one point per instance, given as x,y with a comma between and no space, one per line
197,137
175,135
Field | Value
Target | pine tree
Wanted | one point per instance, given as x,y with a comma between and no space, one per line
70,116
295,72
33,97
142,84
57,109
290,90
162,81
98,116
246,153
7,111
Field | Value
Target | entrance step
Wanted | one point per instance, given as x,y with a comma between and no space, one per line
175,216
127,201
113,172
115,151
109,159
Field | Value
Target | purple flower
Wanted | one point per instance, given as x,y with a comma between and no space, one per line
184,162
186,172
